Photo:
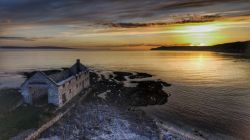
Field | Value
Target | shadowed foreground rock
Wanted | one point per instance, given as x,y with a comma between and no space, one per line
95,120
107,113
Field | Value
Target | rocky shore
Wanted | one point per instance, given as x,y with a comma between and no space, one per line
110,110
129,89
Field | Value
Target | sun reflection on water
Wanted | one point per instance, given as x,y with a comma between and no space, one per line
199,62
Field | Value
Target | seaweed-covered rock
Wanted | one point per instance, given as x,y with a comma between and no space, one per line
140,75
120,76
147,92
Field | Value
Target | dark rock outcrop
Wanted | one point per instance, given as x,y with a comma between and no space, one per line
147,92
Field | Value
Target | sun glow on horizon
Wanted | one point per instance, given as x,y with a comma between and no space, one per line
198,28
201,44
201,28
205,34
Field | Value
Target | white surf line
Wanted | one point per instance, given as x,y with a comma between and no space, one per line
107,74
104,94
128,81
98,74
168,130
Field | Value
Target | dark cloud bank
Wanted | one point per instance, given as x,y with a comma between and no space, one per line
106,11
21,38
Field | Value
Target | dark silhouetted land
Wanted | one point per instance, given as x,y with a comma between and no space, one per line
235,47
35,48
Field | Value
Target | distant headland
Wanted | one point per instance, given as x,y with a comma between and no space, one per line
234,47
36,48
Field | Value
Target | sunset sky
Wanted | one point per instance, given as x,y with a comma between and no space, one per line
123,24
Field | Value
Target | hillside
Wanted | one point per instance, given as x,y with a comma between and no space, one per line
235,47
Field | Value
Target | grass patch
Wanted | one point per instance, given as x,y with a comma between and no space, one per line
8,99
14,120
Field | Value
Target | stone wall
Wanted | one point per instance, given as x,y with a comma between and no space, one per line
36,134
73,86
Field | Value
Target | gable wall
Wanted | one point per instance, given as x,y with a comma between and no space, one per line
40,81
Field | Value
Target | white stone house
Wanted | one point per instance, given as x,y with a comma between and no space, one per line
58,88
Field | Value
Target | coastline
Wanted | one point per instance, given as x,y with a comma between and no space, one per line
118,93
238,48
107,114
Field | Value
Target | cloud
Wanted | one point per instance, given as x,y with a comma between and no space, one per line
50,12
21,38
89,16
173,20
193,4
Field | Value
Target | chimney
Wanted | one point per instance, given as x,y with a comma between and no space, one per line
78,63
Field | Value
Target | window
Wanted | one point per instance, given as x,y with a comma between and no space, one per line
63,98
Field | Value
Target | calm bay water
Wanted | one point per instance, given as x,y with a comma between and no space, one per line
210,91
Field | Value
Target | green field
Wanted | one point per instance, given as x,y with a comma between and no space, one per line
15,117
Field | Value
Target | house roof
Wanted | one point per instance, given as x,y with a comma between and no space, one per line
65,74
61,77
42,74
